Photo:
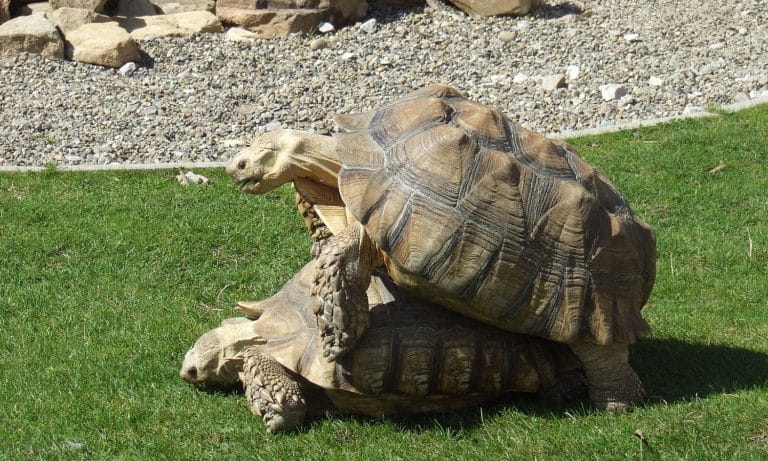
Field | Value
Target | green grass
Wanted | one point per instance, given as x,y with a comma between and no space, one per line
107,278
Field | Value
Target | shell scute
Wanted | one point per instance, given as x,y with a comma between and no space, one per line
486,123
405,117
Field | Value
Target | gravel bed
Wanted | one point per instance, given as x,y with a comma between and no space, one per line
201,98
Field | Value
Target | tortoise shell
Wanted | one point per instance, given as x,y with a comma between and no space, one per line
494,221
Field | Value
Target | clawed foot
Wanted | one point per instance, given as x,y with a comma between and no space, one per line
613,384
272,392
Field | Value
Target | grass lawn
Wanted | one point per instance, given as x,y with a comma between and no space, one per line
107,278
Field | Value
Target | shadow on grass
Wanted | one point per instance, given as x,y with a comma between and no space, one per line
675,371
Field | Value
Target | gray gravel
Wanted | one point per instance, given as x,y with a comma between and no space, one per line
200,99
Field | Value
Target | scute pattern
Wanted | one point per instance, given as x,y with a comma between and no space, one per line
473,210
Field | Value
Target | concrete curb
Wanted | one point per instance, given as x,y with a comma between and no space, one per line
564,135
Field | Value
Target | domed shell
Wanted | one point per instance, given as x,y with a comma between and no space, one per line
495,221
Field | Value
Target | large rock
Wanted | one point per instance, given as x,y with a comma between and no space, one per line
104,44
69,19
272,23
272,18
135,8
173,25
184,6
496,7
92,5
30,34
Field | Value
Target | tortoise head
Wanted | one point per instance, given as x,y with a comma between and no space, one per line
218,355
266,164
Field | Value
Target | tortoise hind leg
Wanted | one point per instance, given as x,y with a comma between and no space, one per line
613,384
272,392
339,298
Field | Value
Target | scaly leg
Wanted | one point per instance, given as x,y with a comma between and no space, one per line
339,298
317,228
272,392
613,384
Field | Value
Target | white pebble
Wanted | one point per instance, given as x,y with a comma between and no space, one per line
612,91
369,26
325,27
127,69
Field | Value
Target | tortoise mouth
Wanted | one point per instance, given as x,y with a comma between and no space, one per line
249,184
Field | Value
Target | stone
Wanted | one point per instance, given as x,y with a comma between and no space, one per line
626,100
495,7
5,10
613,91
632,37
104,44
318,44
325,27
238,34
519,78
507,36
271,23
655,81
135,8
184,6
69,19
171,25
572,72
30,34
553,82
127,69
92,5
369,26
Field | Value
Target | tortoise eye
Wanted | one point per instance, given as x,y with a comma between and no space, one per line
241,165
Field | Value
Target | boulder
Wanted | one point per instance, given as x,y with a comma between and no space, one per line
267,23
171,25
69,19
135,8
495,7
92,5
280,17
30,34
104,44
184,6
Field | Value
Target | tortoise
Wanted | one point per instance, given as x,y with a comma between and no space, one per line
467,209
416,357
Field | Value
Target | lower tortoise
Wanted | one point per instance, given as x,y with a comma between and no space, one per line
415,357
467,209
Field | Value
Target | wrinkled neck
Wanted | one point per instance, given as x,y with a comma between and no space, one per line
315,158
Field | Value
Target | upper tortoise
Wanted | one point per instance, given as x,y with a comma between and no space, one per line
467,209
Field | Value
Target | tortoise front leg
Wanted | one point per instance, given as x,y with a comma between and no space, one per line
339,298
613,384
272,392
317,228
